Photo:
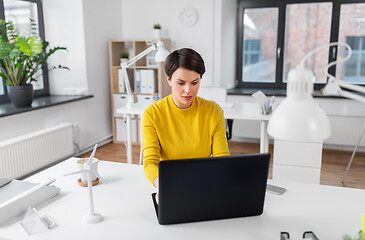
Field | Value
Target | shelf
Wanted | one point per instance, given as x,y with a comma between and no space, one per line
147,67
141,67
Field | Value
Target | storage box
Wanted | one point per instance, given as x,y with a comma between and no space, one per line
121,129
120,100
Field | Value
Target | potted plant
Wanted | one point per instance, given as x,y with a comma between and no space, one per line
21,57
358,236
124,57
157,31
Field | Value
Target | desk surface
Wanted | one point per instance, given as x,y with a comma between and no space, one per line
243,111
125,202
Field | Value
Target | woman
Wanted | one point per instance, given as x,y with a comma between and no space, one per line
182,125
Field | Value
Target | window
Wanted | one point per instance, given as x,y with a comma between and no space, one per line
20,11
252,52
258,43
307,26
273,37
352,31
354,68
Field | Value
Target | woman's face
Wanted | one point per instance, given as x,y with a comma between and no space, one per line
185,85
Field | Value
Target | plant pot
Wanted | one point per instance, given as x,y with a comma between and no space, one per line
157,33
21,96
123,60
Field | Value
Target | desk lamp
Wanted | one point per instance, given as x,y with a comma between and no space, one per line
159,57
299,127
334,87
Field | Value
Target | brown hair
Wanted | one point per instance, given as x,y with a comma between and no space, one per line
185,58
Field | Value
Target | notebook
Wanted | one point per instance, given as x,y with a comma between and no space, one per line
16,196
212,188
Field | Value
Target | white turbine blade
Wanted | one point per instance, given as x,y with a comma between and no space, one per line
93,171
81,171
92,154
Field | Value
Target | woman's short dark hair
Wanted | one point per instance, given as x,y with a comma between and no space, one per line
184,58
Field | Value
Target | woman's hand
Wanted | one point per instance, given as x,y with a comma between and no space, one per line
155,182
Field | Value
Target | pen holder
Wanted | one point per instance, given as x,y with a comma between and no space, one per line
81,162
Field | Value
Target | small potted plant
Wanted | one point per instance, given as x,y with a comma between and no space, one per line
21,58
358,236
157,31
124,57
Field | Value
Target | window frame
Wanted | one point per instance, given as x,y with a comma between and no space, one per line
39,92
279,84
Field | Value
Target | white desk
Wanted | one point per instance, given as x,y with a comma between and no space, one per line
239,111
135,109
251,111
126,204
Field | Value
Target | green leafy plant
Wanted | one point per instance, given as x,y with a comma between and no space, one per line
124,55
22,56
157,26
358,236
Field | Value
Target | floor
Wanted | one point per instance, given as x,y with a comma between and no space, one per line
333,162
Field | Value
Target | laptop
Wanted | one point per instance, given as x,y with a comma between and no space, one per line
201,189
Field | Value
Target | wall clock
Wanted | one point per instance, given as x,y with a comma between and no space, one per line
188,16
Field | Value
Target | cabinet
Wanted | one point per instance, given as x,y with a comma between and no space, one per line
146,78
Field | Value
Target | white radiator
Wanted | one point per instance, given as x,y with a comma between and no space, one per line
25,154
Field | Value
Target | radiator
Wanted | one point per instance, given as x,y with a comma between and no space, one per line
28,153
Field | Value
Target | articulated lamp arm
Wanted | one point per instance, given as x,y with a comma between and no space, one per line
160,56
334,85
130,62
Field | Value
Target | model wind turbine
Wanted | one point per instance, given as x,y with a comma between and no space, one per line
88,169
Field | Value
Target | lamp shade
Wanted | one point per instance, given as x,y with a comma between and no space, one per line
161,53
299,118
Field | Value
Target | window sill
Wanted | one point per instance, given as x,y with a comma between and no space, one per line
250,91
272,92
7,109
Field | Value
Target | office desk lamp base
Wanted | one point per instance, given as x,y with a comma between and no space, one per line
95,218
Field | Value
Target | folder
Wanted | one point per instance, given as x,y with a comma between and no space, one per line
150,81
144,81
138,80
121,84
148,84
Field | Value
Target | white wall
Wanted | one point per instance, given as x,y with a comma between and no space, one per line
213,36
84,27
64,26
139,16
225,43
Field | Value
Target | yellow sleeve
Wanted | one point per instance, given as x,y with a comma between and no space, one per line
219,144
151,147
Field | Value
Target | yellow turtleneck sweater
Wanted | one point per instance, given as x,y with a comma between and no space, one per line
169,132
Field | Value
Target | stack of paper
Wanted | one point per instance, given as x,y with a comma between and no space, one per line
121,84
265,103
